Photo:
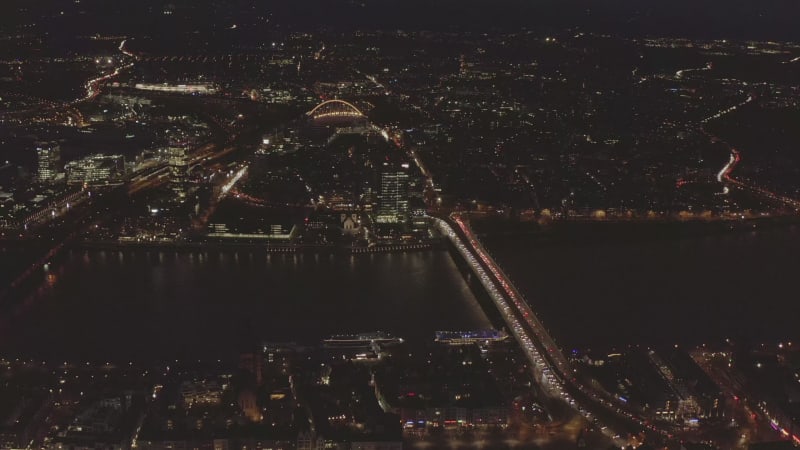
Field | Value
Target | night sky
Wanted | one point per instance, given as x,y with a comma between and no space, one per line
732,19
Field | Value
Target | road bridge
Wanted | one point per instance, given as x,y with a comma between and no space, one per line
550,366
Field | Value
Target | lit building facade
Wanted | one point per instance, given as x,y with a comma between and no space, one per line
96,170
393,194
178,161
192,88
48,158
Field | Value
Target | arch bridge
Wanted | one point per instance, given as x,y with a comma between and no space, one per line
335,109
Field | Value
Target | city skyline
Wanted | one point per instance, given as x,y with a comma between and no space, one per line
387,224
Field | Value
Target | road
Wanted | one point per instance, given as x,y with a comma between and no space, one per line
64,229
725,174
93,86
679,74
552,369
756,423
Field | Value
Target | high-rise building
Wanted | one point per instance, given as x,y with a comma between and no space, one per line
393,193
178,161
48,158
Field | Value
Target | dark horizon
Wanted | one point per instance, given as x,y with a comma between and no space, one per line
705,19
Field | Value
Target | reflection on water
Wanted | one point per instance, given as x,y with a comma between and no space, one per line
164,305
157,304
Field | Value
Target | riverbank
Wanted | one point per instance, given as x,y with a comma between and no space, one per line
263,246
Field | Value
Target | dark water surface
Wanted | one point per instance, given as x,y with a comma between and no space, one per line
162,305
590,291
659,290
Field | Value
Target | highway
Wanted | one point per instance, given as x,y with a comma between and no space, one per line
724,175
729,110
231,182
679,74
94,85
551,367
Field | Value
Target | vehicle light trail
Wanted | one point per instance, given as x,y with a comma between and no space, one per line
725,173
124,51
728,110
93,85
682,72
232,182
549,363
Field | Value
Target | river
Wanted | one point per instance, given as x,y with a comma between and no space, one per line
598,289
141,305
592,290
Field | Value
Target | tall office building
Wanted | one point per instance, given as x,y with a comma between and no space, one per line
393,193
48,158
178,161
